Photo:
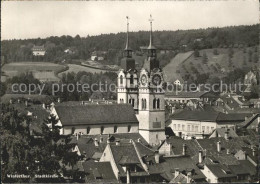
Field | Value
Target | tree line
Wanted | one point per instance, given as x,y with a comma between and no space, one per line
82,47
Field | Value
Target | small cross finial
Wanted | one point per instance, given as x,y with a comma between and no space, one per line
151,19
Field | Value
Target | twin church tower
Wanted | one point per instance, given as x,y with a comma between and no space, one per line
144,90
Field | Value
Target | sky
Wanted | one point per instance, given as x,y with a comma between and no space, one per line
33,19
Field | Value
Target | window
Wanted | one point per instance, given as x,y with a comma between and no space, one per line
129,128
133,102
156,136
144,103
192,127
203,128
188,127
158,103
179,126
183,127
121,79
131,79
154,103
88,130
212,128
207,129
196,128
102,130
115,129
129,100
174,126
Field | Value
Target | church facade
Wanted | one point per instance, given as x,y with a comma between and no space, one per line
144,91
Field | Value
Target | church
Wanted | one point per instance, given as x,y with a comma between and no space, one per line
144,91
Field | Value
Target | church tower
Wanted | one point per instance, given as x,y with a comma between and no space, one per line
151,112
127,91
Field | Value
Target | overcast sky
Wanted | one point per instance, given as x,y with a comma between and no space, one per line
33,19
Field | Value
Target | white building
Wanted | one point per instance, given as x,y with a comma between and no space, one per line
38,50
144,93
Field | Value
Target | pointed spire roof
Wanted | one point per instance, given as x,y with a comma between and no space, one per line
127,35
151,33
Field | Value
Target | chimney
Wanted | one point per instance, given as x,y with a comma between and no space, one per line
26,103
11,101
177,172
184,149
219,146
189,177
228,151
200,156
101,140
226,135
157,157
108,141
139,140
254,152
18,100
58,100
77,136
118,142
96,142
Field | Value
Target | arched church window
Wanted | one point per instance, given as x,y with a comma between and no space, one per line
102,130
115,129
158,103
131,79
154,103
88,130
121,79
144,103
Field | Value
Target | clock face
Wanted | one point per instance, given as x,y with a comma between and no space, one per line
144,79
156,79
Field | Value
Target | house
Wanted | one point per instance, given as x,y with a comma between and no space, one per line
250,78
69,51
38,50
92,119
98,55
186,96
188,124
126,161
98,172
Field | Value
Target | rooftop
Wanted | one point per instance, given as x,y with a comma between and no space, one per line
91,114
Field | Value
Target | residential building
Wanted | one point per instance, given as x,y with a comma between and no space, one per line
38,50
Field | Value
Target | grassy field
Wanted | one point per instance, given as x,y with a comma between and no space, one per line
41,70
77,68
217,65
170,70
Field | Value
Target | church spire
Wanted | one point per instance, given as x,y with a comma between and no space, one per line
151,32
128,51
127,30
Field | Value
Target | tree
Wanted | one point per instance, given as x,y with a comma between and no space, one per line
255,57
23,153
250,53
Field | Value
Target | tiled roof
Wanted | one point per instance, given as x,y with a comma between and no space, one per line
250,122
41,98
170,164
122,150
210,116
37,48
96,114
220,132
219,171
102,170
186,94
248,166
